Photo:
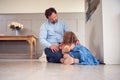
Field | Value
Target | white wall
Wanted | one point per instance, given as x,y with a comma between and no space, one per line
111,31
103,32
94,35
38,6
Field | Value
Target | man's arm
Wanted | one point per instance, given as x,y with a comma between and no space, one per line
43,36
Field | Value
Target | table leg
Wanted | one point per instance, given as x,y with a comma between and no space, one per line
34,44
31,47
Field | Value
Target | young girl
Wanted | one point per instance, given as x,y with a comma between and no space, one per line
75,54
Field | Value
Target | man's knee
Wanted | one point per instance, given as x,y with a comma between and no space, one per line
47,50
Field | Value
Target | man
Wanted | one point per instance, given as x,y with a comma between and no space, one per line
51,35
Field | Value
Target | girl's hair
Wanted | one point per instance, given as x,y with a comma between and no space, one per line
69,38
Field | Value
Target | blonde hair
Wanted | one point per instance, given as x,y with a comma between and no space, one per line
69,38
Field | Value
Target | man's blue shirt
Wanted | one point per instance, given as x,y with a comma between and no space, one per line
52,33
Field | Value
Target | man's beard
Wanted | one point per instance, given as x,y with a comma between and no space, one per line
54,21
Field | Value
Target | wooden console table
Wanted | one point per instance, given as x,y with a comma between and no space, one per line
31,39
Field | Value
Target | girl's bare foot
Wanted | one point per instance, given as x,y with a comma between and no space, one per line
76,60
68,61
62,60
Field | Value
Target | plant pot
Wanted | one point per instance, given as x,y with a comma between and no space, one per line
16,32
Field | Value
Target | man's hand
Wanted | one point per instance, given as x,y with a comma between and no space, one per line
54,48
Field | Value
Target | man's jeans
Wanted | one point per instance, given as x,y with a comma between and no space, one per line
53,56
